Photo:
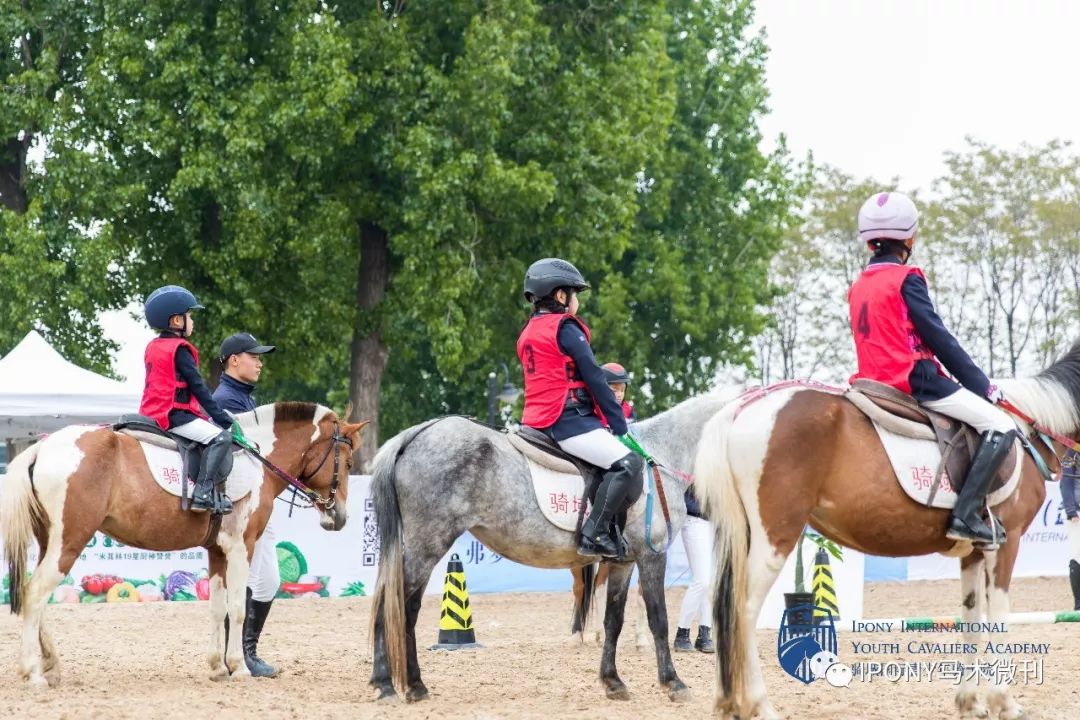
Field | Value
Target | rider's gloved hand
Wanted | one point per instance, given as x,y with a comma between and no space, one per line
994,394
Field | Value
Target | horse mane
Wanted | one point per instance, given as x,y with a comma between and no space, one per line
294,411
1053,396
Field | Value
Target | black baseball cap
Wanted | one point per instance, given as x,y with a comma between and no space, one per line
243,343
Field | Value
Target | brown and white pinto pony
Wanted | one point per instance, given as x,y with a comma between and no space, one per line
86,478
801,456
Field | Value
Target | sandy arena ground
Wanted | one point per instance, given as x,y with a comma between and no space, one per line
145,661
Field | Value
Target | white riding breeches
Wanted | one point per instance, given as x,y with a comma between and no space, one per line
199,430
698,538
597,447
265,576
966,406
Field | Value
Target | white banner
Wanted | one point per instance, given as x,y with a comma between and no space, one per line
312,561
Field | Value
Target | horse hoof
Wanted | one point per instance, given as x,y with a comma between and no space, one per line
38,681
616,690
679,694
241,674
416,693
219,673
387,696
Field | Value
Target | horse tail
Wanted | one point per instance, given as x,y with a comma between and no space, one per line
716,488
389,595
20,514
583,605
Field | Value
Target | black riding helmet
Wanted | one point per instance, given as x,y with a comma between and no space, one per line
546,276
167,301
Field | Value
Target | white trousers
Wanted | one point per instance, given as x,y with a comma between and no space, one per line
597,447
698,538
966,406
199,430
265,576
1074,539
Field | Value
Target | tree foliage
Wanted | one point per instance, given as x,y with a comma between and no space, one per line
364,184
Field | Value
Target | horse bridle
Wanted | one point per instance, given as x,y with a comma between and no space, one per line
336,440
300,484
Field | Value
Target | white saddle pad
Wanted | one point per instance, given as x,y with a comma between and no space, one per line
167,469
915,463
560,495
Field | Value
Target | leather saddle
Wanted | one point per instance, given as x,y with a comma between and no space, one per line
145,429
539,448
900,413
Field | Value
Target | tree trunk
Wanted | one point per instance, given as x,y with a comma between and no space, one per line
369,355
12,169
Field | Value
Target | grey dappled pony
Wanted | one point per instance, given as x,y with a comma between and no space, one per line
438,479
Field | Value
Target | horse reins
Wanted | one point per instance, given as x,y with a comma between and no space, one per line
299,485
1041,429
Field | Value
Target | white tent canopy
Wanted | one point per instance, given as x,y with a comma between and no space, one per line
42,392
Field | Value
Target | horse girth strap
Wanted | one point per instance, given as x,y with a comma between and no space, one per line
659,483
211,531
660,491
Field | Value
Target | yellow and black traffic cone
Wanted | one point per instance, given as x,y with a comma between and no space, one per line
824,587
455,621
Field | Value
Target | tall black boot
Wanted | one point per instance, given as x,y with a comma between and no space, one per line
1074,579
216,464
254,620
967,522
619,489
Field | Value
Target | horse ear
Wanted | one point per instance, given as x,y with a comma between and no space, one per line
348,411
351,428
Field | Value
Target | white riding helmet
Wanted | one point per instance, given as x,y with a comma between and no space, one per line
888,215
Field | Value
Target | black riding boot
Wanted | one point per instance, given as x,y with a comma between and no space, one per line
1074,579
216,464
619,489
254,620
682,641
704,641
967,522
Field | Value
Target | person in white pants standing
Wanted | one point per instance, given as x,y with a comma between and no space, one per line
698,538
241,360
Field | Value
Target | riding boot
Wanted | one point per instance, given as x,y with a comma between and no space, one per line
682,641
704,641
216,464
253,626
1074,580
619,489
967,522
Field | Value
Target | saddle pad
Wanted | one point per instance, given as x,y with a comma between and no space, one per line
915,463
559,495
166,468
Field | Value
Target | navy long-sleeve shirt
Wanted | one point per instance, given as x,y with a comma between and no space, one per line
188,371
926,382
582,419
234,395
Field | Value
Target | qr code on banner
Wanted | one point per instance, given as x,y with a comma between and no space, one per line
369,547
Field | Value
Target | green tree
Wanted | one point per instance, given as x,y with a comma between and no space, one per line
361,182
57,266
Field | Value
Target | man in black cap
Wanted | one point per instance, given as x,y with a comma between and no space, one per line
241,360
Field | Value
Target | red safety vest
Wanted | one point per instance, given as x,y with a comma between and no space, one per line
886,343
162,382
627,409
550,375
